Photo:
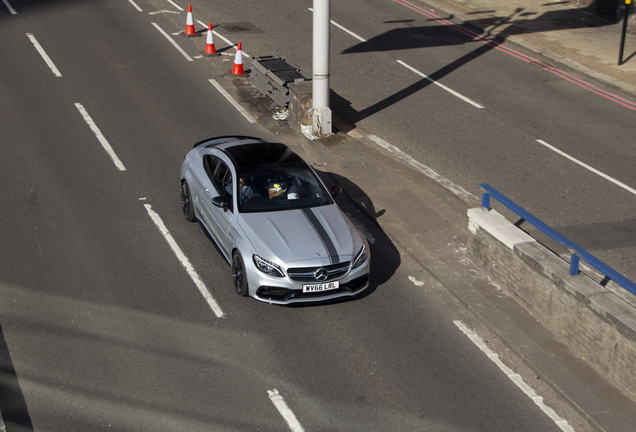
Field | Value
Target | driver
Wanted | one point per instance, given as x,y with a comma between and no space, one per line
245,190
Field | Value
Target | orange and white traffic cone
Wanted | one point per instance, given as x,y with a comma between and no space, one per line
190,31
238,62
209,44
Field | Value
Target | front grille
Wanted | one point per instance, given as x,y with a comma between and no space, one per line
306,274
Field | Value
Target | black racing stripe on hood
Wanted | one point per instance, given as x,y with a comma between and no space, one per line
322,235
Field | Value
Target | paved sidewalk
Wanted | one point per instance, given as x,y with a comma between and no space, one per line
559,32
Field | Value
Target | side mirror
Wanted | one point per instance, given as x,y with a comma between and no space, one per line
221,202
336,190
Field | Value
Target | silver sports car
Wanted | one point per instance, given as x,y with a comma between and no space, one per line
274,221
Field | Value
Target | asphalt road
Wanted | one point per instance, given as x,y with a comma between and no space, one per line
101,325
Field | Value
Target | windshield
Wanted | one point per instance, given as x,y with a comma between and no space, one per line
279,187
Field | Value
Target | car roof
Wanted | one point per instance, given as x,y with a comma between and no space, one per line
246,152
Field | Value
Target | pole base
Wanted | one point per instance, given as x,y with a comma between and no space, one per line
321,121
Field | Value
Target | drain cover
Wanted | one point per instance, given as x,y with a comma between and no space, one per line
237,27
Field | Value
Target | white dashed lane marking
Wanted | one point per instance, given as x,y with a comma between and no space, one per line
100,137
135,5
284,411
167,36
185,262
587,167
46,58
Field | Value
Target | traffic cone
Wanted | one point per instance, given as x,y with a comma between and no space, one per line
238,62
209,44
190,31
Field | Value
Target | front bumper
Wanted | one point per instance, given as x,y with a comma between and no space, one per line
284,290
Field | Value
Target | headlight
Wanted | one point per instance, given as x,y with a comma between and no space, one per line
360,258
267,267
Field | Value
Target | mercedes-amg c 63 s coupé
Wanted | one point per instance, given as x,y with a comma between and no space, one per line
274,221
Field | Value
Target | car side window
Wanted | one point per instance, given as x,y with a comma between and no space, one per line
209,164
223,181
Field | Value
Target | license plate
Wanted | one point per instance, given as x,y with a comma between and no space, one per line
321,287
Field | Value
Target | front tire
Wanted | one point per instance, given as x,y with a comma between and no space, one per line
186,202
239,278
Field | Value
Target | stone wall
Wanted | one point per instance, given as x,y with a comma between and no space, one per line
594,322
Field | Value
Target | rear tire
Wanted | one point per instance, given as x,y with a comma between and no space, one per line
239,278
186,202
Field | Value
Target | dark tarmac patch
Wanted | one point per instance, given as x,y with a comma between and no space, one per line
237,28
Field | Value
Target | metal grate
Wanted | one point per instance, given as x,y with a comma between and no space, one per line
607,9
271,75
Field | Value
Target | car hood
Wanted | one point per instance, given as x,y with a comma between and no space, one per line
321,234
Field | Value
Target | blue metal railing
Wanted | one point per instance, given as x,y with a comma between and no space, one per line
575,250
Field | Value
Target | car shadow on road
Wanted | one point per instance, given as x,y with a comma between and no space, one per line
385,257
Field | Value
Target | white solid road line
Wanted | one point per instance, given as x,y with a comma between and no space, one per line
46,58
595,171
185,262
284,411
453,92
100,137
167,36
232,101
516,378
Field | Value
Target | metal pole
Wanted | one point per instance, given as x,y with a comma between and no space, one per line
321,113
622,46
